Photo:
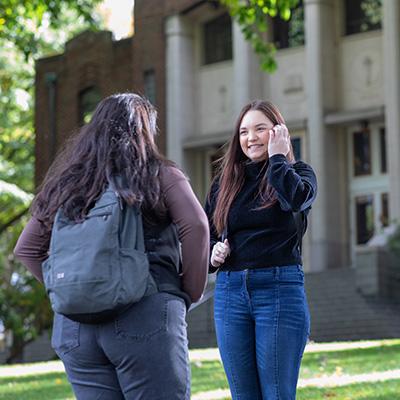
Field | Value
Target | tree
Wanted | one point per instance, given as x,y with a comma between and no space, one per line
28,30
23,22
252,17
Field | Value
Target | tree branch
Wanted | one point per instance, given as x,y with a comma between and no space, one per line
13,220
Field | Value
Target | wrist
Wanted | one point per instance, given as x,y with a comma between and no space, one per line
214,264
276,157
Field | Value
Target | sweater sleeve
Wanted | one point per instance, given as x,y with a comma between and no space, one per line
187,213
32,247
295,184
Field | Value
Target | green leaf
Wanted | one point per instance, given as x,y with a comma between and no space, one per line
24,36
250,15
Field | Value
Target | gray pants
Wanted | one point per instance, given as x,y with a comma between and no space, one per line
141,355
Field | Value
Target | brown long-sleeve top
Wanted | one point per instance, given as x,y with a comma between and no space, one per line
185,211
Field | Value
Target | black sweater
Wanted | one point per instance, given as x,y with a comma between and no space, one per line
266,237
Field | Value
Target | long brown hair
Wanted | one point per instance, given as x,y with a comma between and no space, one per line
232,167
117,142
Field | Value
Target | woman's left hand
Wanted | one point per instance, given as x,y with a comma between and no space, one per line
279,140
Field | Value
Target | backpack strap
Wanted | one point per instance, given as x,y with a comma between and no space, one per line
224,234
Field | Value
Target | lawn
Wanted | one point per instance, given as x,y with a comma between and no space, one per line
351,362
208,375
388,390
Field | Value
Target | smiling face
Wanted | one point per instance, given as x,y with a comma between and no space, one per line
254,135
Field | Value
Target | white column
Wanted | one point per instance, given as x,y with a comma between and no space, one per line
391,62
247,74
179,85
328,249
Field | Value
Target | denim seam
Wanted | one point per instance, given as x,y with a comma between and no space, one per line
67,346
226,330
301,350
121,334
276,339
188,380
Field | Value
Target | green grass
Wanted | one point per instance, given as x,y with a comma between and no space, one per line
345,362
388,390
52,386
352,362
209,375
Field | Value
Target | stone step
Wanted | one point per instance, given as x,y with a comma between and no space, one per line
338,312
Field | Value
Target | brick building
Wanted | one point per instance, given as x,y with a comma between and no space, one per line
93,66
337,85
69,85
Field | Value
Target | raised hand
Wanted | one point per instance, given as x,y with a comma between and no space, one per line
279,140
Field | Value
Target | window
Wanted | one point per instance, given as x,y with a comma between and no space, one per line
364,218
363,15
382,145
384,217
289,33
296,144
362,152
218,40
88,100
219,151
150,85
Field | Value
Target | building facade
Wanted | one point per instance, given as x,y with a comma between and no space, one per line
337,85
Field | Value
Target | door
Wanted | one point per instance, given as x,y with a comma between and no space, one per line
369,183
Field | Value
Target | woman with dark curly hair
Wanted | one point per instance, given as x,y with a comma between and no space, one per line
261,313
142,352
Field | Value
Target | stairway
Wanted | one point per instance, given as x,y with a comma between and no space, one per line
338,312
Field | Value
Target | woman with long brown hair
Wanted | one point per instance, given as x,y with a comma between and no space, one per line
261,313
141,353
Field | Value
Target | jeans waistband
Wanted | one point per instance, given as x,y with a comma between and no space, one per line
272,270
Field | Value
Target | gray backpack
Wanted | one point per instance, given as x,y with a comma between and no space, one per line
98,267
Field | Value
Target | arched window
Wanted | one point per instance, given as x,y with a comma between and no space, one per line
88,100
150,85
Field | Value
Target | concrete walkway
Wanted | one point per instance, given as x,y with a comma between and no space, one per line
201,355
195,355
328,381
333,380
31,369
213,354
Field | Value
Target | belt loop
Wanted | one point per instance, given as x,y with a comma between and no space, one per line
277,271
228,273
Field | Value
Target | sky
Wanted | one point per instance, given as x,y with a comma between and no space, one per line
118,15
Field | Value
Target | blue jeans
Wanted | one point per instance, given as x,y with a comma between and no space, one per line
141,355
262,324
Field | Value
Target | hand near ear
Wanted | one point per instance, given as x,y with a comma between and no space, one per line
279,140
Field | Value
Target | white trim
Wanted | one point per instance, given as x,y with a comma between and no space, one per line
349,117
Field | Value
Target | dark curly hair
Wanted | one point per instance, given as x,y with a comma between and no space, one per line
117,142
